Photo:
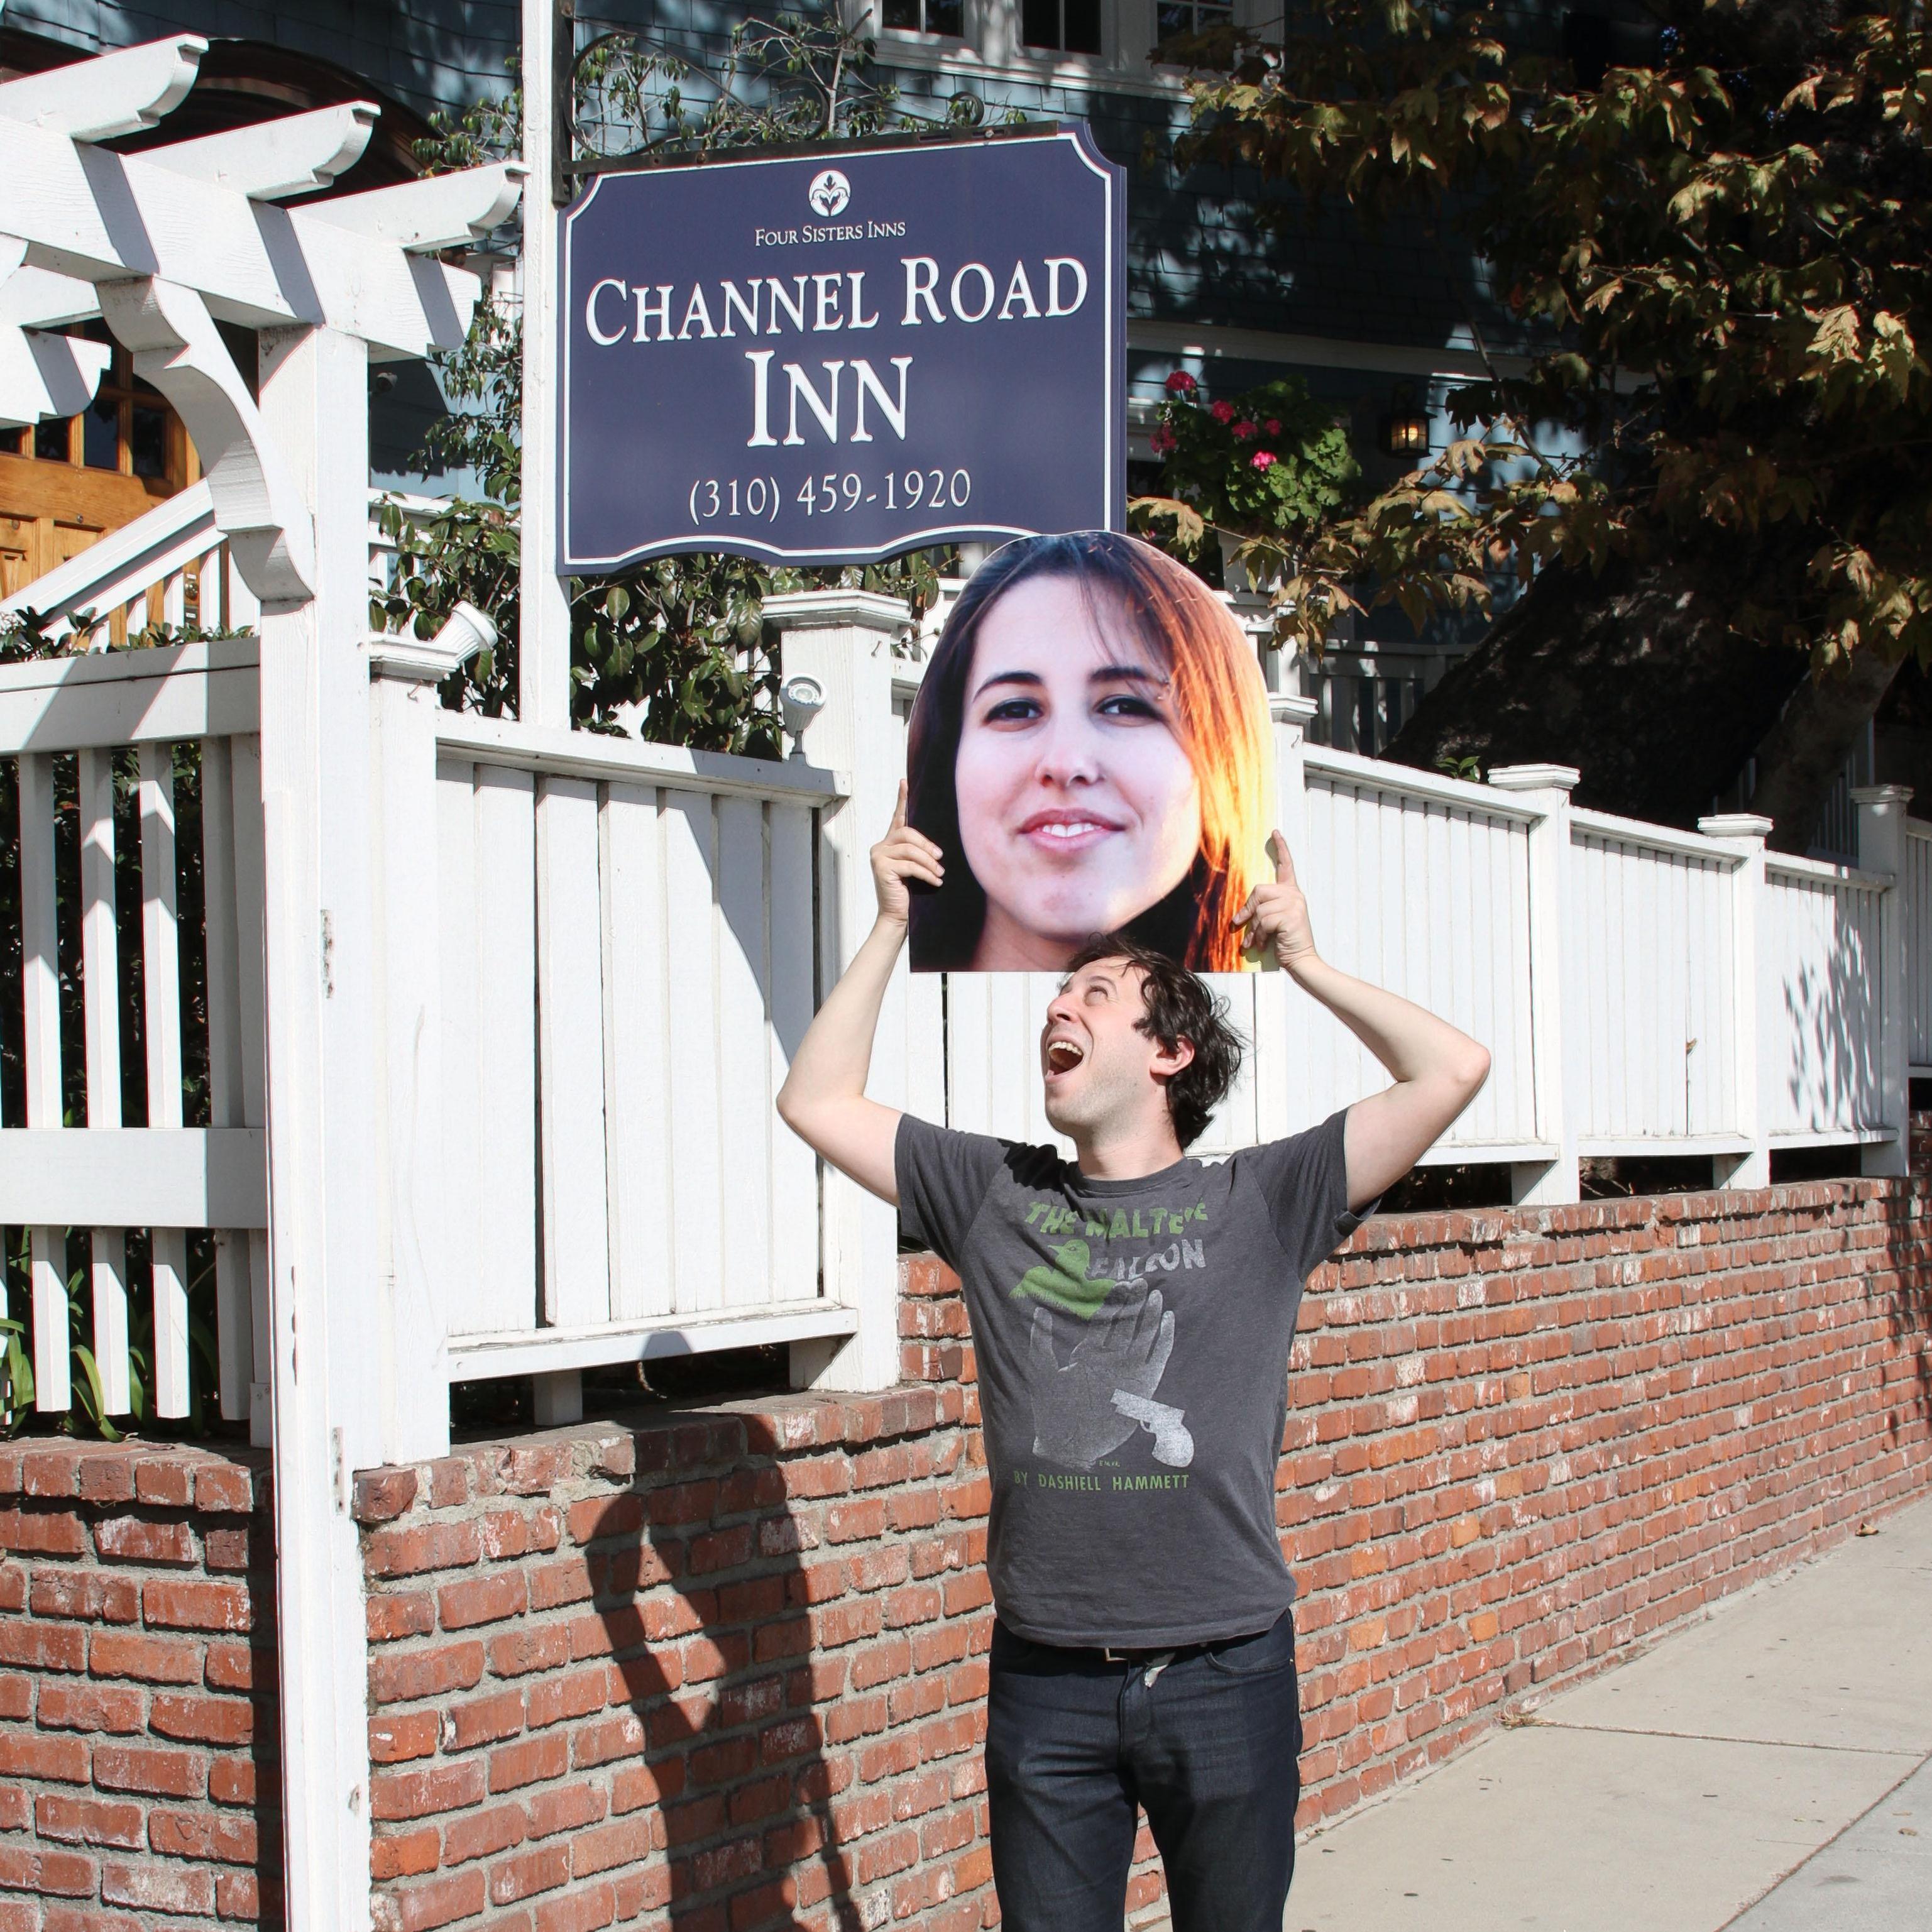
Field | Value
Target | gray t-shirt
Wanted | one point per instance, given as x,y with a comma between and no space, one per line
1132,1339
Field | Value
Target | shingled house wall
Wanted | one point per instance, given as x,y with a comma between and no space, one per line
727,1670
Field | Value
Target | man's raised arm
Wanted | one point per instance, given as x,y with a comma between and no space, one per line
822,1100
1436,1070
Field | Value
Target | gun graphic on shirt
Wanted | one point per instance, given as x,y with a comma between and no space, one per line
1172,1443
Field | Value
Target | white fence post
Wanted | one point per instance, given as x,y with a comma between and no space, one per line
543,638
412,1361
1273,1018
323,1252
845,639
1882,849
40,960
1548,787
1745,832
543,670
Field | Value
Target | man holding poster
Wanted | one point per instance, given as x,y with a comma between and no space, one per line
1132,1310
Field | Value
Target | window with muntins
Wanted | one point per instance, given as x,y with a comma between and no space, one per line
945,17
1026,36
1171,17
1061,26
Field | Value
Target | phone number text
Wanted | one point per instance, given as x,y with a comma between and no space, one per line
759,499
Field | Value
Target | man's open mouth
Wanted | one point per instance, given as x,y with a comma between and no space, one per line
1064,1055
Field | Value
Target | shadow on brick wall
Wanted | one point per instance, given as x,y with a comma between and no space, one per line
1908,1288
718,1669
709,1610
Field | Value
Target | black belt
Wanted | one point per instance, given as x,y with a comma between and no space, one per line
1160,1657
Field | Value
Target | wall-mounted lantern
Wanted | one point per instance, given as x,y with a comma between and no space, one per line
1404,430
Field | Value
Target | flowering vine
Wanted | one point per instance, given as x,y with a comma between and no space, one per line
1269,464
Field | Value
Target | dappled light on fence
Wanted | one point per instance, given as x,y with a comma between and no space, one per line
1825,951
1651,949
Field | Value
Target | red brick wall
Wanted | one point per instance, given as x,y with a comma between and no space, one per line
137,1773
1520,1442
722,1670
725,1672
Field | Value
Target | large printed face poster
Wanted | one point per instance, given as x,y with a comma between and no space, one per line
1091,749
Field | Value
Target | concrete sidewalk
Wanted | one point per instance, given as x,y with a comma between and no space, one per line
1770,1760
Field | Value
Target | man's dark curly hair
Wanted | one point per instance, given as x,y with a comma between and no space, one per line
1179,1005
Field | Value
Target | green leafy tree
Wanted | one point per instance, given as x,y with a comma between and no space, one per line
1722,258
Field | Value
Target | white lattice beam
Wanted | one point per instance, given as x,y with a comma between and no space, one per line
257,504
123,93
40,375
274,159
45,376
442,211
95,216
163,242
39,299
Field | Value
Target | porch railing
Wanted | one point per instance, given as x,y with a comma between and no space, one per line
170,567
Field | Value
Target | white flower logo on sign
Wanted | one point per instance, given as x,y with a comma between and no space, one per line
829,193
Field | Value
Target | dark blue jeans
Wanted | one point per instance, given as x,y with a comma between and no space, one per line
1209,1748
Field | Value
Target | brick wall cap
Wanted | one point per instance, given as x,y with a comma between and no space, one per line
232,1476
381,1494
718,1434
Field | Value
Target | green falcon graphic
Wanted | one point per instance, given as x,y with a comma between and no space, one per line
1066,1287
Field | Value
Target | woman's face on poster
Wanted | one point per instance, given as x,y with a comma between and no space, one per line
1079,808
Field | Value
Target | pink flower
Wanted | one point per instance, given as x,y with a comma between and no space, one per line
1162,440
1180,383
1263,459
1222,412
1273,427
1244,431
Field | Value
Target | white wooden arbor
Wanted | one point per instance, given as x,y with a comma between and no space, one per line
165,244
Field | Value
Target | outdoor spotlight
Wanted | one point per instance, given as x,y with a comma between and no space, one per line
800,700
1404,430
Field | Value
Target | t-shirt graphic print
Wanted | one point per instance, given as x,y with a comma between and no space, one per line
1131,1340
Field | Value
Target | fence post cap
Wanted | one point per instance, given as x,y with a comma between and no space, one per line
411,660
1881,794
1286,708
1535,777
1735,825
837,610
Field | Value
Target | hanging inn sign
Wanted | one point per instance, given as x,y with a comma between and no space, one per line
831,357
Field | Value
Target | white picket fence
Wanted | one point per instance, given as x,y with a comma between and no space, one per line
628,964
593,959
1644,991
73,732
